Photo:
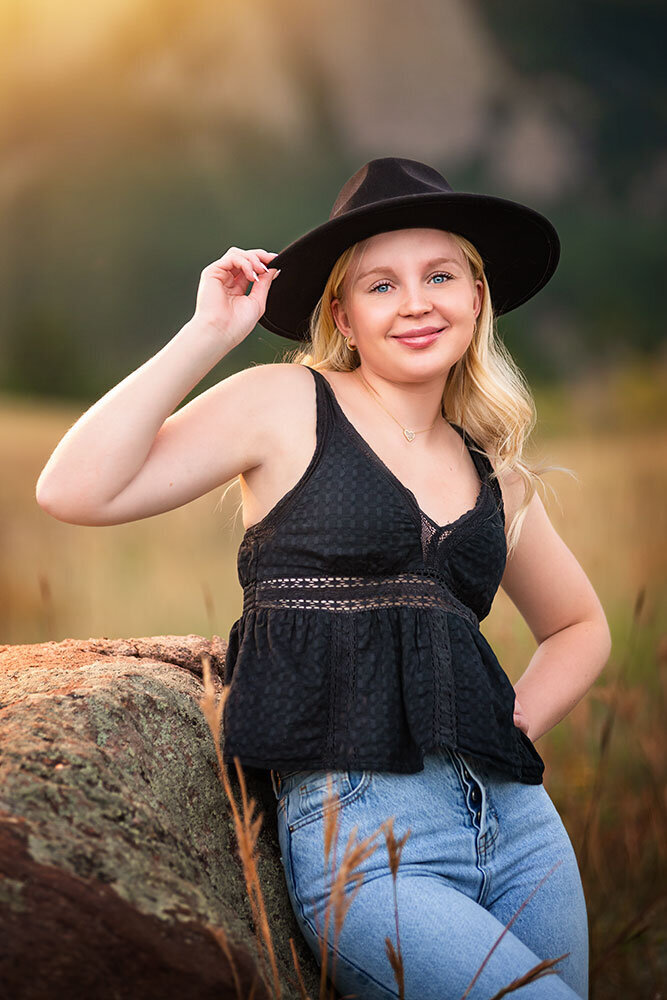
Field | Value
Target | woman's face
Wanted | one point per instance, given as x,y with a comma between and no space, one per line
404,280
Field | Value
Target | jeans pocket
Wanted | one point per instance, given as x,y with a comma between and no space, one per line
313,793
284,775
286,780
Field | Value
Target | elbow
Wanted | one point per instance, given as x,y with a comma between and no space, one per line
609,644
42,497
46,499
44,493
601,625
59,509
66,511
597,631
50,507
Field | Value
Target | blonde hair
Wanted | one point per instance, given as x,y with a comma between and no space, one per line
485,393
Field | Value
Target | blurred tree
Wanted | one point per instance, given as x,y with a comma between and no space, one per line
47,356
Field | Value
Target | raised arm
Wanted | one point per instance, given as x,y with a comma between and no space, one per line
126,458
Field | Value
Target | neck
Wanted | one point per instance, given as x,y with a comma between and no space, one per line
416,405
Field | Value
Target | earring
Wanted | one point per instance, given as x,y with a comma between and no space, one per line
350,347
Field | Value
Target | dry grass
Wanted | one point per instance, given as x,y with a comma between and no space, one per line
176,573
605,763
340,877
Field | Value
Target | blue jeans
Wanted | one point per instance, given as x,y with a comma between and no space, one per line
479,843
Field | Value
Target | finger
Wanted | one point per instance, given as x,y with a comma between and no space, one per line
232,271
260,259
265,255
271,272
269,276
260,290
241,262
255,258
248,269
256,266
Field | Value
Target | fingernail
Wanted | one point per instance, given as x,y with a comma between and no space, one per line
264,265
256,276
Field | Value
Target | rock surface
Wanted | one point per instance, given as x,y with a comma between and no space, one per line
117,842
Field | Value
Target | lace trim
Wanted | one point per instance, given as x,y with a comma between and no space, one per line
354,593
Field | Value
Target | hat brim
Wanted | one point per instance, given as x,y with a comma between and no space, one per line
519,246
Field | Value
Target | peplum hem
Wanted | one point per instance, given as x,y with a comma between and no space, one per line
359,643
530,773
371,689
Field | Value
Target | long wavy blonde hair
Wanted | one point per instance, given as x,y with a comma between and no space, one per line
485,393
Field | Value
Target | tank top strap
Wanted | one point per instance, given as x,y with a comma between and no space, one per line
483,465
323,422
326,413
478,455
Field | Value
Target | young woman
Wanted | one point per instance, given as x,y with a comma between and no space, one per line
385,500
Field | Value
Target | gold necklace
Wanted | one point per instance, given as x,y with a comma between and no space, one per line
409,435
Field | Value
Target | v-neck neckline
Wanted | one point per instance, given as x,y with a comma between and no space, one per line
373,456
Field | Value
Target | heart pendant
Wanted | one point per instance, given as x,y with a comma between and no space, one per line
409,435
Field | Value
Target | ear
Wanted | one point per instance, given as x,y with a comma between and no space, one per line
479,295
340,317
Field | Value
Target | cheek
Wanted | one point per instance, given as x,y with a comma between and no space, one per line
465,306
372,312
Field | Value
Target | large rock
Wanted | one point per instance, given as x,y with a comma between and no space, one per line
118,852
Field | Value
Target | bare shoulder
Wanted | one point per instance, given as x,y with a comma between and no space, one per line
279,404
274,377
281,389
252,423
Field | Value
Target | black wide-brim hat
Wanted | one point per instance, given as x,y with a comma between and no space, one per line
520,248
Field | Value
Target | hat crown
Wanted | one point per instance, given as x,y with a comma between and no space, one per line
385,178
519,247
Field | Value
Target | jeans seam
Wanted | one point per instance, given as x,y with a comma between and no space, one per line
489,840
336,951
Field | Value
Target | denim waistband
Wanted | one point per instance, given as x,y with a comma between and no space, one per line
464,764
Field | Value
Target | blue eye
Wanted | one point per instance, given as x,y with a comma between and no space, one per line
438,274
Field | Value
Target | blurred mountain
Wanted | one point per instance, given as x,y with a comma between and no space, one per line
140,139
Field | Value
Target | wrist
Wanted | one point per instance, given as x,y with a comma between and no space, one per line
209,338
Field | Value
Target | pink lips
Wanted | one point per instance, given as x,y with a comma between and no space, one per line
419,338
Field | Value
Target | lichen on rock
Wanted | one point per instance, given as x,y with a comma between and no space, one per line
117,845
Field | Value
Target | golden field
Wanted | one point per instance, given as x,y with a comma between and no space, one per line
605,763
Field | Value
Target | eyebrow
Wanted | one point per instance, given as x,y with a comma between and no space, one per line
389,270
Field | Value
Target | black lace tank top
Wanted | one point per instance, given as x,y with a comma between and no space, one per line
359,644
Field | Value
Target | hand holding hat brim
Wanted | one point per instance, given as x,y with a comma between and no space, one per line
519,246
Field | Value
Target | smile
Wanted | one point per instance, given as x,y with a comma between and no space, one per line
420,341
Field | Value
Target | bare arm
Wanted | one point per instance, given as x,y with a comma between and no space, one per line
557,600
123,459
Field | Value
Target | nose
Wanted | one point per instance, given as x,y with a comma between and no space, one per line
415,301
